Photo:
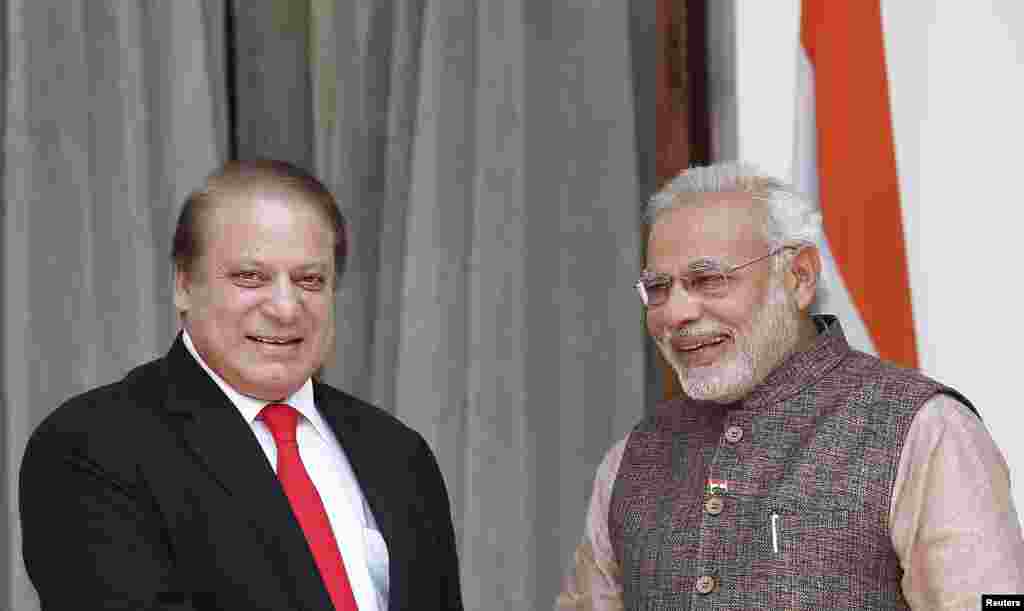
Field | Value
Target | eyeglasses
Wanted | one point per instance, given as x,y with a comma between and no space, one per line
707,278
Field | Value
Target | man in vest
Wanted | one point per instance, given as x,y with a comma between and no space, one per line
796,472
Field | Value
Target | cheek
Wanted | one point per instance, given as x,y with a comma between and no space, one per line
228,302
322,315
655,323
743,318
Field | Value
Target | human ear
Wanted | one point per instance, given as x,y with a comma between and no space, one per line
804,272
182,289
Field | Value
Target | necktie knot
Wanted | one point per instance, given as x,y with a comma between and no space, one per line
282,420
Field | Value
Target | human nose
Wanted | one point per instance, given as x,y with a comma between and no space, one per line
285,302
679,308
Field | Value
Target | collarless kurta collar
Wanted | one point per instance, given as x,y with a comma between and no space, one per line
801,369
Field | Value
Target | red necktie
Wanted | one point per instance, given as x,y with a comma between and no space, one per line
282,420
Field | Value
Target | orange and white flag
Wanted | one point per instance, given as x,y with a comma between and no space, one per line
844,156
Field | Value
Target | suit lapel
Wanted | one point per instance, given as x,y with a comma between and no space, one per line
223,442
373,471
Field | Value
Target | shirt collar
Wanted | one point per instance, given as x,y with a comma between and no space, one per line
250,407
804,367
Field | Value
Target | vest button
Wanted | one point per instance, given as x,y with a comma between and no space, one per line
714,505
705,584
733,434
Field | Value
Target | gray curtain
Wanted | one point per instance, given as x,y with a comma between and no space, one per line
485,153
114,110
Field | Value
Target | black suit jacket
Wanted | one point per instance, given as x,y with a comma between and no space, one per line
153,493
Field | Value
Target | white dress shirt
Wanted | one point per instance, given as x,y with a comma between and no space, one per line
362,547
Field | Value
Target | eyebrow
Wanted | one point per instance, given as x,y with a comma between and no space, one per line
705,264
322,266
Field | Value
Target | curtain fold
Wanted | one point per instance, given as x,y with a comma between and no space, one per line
111,116
485,154
489,175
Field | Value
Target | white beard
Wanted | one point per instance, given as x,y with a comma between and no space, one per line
774,336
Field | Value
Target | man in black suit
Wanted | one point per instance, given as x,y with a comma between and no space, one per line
223,476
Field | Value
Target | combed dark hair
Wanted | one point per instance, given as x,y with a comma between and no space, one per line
253,177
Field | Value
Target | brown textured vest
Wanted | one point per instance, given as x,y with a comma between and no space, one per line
808,460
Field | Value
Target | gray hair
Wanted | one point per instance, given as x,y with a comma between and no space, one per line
791,217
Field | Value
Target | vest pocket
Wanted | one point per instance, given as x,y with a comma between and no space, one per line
813,539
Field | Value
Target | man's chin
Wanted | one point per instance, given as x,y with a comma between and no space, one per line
264,393
272,387
709,386
720,381
712,396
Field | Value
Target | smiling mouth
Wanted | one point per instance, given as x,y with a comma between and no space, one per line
275,341
693,345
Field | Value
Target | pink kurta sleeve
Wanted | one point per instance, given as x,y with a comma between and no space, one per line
952,519
593,581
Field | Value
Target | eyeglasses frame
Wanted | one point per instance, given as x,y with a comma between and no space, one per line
639,284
